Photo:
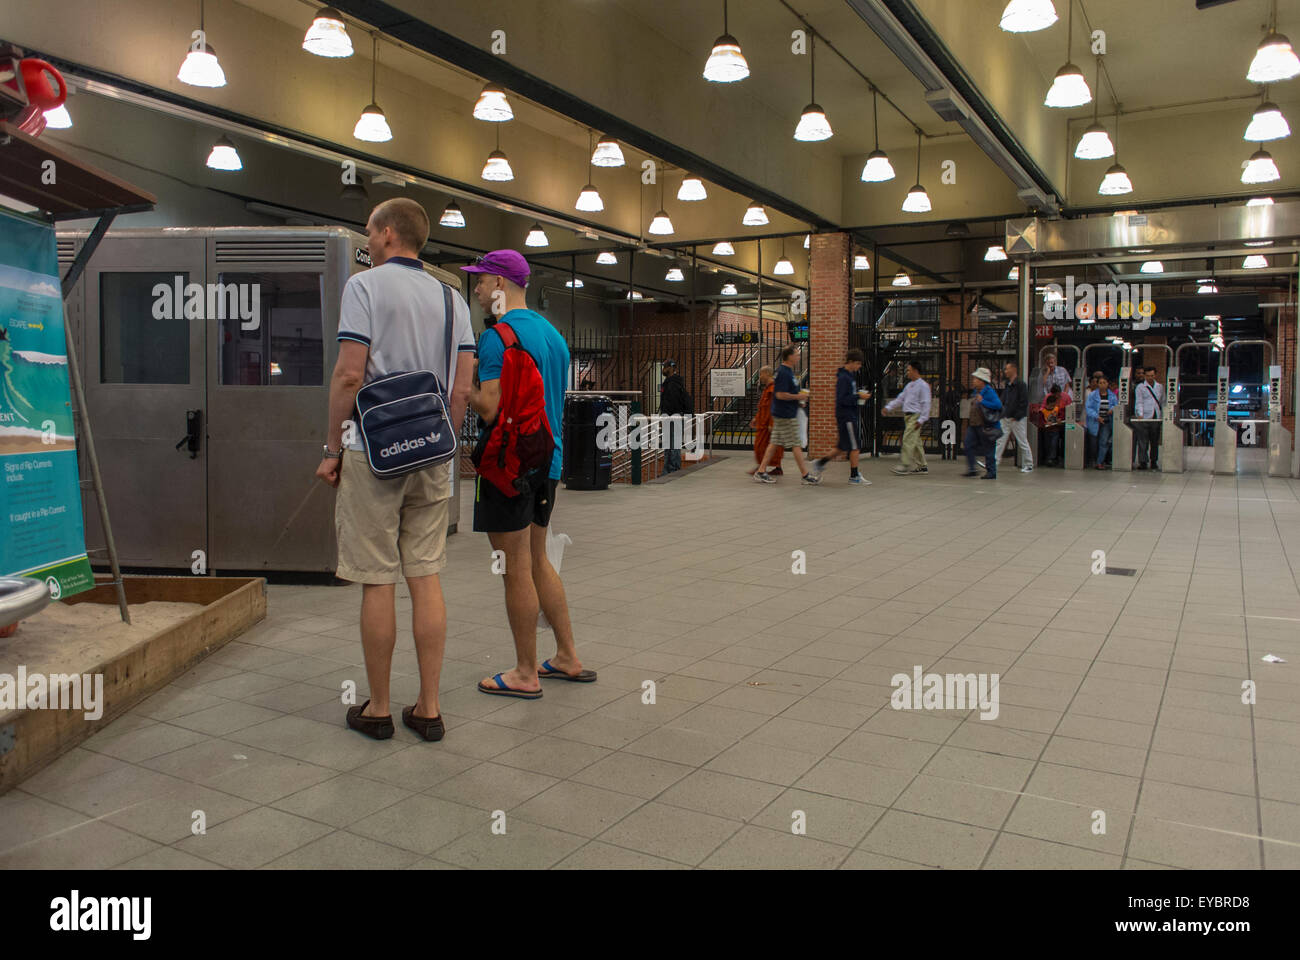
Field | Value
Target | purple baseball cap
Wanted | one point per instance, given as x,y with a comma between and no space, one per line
502,263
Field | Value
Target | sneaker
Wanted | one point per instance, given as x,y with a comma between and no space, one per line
860,480
1026,469
902,471
811,479
764,478
921,470
990,476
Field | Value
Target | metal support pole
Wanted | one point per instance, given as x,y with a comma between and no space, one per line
573,298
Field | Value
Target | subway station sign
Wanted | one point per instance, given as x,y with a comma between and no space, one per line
738,336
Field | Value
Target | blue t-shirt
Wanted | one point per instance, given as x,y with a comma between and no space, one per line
549,352
785,383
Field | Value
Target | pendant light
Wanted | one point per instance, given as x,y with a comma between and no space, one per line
755,216
860,261
328,35
58,118
878,168
589,198
1015,273
902,280
1116,181
1275,59
452,216
1069,88
729,290
1260,168
497,169
807,241
995,252
692,189
492,105
635,295
1207,287
1260,202
606,259
1152,266
1254,262
224,156
1095,143
918,201
574,284
607,154
1267,123
537,237
813,125
1028,16
675,274
726,64
784,267
661,226
373,127
724,249
200,67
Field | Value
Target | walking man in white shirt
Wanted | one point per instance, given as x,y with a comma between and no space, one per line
1149,401
915,401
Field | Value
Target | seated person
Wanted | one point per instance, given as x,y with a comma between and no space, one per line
1053,424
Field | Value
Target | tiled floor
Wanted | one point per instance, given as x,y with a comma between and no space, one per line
1121,698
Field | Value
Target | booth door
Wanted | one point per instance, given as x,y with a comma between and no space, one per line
145,372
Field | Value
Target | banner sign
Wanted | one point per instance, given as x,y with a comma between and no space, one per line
40,497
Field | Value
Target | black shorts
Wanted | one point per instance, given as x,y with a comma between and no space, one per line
494,512
848,435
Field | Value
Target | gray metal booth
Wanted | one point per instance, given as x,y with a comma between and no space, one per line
209,410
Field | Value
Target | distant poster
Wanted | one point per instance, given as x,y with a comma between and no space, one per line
726,382
40,498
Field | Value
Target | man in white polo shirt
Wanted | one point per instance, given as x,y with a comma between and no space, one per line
393,319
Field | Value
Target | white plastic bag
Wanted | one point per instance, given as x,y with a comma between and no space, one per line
555,544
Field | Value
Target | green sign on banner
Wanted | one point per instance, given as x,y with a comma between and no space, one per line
40,495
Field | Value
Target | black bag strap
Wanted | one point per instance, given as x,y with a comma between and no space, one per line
453,352
1159,406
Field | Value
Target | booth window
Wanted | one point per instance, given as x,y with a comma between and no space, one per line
133,346
271,330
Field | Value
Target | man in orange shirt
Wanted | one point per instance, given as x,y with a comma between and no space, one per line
762,422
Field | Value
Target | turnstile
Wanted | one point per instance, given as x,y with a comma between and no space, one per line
1073,439
1123,430
1121,434
1225,438
1171,431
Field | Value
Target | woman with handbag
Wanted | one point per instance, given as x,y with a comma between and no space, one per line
984,427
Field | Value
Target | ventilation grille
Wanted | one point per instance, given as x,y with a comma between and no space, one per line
271,251
67,250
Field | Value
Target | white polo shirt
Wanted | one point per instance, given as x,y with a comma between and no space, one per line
397,311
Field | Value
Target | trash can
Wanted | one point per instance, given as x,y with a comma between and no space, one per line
586,467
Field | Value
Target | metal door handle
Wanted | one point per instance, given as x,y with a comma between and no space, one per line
193,433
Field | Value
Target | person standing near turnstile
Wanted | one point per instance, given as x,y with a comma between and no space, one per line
1149,409
1100,408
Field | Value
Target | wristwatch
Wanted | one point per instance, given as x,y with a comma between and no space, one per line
332,454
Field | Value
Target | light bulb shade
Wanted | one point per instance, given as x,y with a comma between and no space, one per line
918,201
589,200
755,216
902,280
635,295
1275,60
692,189
1014,274
493,106
497,169
1152,266
995,252
1207,288
807,241
372,126
1028,16
1115,182
201,69
224,156
1267,124
574,284
726,64
860,262
878,169
1069,88
728,289
1260,202
1095,144
724,249
783,268
328,35
660,225
537,237
675,275
1255,261
1260,168
606,258
813,125
58,118
607,154
452,216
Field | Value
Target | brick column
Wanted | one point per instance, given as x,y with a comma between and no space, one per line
830,306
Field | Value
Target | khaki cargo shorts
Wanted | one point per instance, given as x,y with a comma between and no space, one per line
785,432
390,527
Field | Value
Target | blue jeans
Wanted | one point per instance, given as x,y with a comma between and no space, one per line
976,446
1103,442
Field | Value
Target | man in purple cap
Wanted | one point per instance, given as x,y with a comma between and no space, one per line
517,525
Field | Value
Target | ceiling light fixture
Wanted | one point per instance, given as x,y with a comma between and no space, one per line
918,201
1260,168
784,267
497,169
1116,182
1260,202
200,67
58,118
755,216
1095,143
1275,59
1267,123
995,252
1152,266
860,262
1028,16
493,106
224,156
661,225
1255,261
878,169
452,216
813,125
726,64
1069,88
807,241
729,290
605,258
607,154
328,35
692,189
902,280
589,198
372,127
675,274
1015,273
724,249
537,237
574,284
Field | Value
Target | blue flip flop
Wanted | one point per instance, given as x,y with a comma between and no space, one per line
586,676
502,689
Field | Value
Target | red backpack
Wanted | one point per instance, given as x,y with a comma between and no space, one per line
518,445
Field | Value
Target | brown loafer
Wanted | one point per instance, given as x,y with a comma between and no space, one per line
430,728
377,728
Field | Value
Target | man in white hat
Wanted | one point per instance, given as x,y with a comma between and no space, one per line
983,429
